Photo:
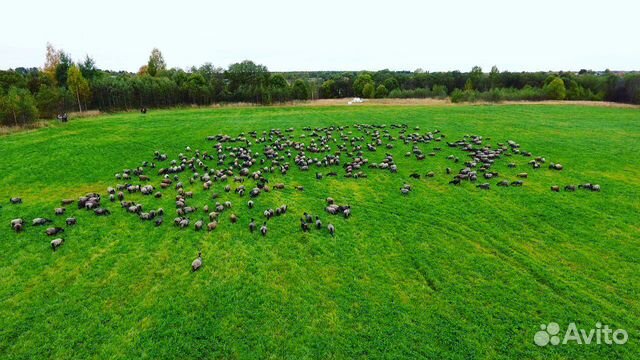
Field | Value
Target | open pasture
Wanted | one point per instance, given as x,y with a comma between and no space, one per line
440,270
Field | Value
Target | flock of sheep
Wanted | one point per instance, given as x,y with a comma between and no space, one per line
235,161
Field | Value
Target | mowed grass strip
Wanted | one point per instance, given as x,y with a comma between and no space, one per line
452,272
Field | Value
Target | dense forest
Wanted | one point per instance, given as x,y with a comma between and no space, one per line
63,85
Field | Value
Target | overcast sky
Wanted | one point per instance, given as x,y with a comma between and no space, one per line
329,34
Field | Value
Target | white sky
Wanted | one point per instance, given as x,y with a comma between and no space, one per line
330,34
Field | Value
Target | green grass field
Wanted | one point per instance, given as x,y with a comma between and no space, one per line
445,272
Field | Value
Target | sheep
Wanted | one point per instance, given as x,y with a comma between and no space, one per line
102,212
485,186
212,225
17,227
517,183
556,188
158,221
553,166
15,200
184,223
60,211
56,243
15,222
347,212
252,225
308,218
71,221
595,187
233,218
570,188
330,201
332,229
264,229
66,202
523,175
318,223
53,231
199,224
250,204
197,263
40,221
213,215
303,225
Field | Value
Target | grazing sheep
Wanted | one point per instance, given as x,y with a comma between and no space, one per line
199,224
318,223
330,201
517,183
264,229
233,218
303,225
332,229
553,166
101,212
250,204
197,263
485,186
595,187
66,202
56,243
53,231
523,175
17,227
15,200
71,221
347,212
308,218
556,188
15,222
212,225
60,211
503,183
184,223
570,188
158,221
40,221
252,225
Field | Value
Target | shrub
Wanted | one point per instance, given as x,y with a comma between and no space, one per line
368,91
555,90
381,91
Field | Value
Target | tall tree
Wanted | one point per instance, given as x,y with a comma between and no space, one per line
18,105
156,63
52,59
78,85
88,68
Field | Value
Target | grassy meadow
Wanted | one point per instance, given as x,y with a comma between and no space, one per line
446,272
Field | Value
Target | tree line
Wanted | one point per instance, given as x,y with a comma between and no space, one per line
63,85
